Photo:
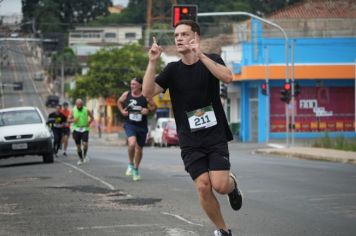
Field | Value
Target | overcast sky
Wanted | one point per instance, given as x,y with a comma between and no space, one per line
8,7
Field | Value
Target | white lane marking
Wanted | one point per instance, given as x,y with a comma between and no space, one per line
179,232
117,226
111,187
276,145
180,218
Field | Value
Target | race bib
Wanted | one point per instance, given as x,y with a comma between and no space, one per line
80,129
135,116
201,118
57,125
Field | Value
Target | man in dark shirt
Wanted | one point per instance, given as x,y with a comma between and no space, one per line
56,120
135,108
202,127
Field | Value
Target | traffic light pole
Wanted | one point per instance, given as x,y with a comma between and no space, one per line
293,94
242,13
1,83
268,96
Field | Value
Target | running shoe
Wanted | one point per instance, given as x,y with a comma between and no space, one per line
86,159
129,170
221,232
235,197
80,162
135,175
64,154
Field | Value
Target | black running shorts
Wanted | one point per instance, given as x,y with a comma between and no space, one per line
80,137
200,160
139,132
66,131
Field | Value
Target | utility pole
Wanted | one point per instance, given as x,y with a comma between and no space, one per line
62,79
152,16
267,97
293,94
148,23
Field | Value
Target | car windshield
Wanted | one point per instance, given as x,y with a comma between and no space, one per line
19,117
164,123
172,125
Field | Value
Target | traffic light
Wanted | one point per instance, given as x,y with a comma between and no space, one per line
264,88
184,12
223,90
296,89
286,93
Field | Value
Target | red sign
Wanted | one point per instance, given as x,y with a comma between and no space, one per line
316,109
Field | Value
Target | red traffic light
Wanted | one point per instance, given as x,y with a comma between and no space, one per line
264,88
184,12
287,86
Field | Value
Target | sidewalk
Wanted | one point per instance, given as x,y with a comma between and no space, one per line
108,139
311,153
299,151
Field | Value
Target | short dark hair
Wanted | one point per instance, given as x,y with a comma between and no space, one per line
194,25
138,80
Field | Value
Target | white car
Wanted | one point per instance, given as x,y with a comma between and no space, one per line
14,35
157,132
38,76
23,131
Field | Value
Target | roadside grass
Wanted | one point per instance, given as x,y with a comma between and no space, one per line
339,143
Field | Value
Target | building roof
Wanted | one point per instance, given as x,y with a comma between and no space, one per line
318,9
116,9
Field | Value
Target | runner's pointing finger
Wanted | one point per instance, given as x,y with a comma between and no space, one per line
196,37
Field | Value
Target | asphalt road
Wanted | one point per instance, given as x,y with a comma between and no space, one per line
21,66
282,196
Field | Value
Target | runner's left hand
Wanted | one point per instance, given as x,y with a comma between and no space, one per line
144,111
194,45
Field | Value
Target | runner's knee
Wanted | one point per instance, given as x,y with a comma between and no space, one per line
203,186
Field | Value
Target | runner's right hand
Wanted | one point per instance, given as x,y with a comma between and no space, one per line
155,52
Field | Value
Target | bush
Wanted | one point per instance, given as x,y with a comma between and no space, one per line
339,143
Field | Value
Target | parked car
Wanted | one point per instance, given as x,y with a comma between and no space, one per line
52,101
170,136
23,131
14,35
157,132
38,76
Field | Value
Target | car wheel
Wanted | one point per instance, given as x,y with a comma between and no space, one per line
164,143
48,158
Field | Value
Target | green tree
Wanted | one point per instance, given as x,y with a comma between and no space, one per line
47,18
56,15
82,11
66,60
110,72
265,7
135,12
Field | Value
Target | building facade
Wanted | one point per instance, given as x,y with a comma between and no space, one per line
322,61
105,36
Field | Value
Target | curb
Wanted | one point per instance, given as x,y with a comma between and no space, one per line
318,154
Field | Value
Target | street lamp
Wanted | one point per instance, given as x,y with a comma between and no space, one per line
241,13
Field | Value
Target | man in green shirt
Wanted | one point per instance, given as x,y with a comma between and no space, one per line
81,118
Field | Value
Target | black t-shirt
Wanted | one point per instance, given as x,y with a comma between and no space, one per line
56,120
192,87
134,106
